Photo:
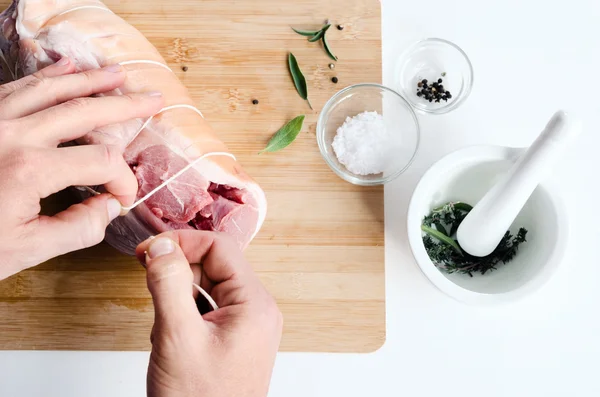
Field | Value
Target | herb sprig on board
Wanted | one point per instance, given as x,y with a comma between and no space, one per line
440,228
316,35
299,79
285,136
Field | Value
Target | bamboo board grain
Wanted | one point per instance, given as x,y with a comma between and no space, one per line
320,252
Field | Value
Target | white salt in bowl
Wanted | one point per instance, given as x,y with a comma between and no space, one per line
399,119
466,175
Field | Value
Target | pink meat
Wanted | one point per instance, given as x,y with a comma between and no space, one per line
214,195
182,198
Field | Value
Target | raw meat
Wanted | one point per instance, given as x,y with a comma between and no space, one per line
216,194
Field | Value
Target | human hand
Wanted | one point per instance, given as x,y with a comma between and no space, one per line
37,113
225,353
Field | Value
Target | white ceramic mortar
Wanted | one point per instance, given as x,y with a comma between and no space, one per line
466,175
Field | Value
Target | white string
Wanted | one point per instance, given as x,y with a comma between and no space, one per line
179,106
175,176
164,110
83,7
147,61
207,296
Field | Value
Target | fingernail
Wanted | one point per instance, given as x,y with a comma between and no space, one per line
114,68
160,247
63,62
114,208
154,93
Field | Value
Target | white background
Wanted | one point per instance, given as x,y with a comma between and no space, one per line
530,59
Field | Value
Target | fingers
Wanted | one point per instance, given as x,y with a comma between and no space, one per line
62,67
80,226
223,264
46,91
77,117
52,170
170,279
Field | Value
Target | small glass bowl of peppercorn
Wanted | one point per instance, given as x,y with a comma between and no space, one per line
435,76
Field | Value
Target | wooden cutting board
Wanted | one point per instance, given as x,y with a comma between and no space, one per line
320,252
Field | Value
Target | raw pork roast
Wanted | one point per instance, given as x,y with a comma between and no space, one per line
215,195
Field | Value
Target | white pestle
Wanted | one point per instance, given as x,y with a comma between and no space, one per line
482,229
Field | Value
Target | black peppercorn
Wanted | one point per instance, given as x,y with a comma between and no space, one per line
340,27
432,92
255,101
184,68
334,80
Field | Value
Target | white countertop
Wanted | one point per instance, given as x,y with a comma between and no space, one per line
530,59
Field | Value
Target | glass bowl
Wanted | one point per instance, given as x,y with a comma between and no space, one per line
434,59
400,123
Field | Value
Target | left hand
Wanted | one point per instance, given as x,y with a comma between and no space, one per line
37,113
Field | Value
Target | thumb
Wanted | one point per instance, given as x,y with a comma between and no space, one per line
170,279
80,226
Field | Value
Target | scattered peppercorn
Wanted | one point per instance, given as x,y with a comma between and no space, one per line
434,92
255,101
184,68
334,80
331,66
340,27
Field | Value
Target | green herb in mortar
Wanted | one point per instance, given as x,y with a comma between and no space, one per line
286,135
298,77
444,251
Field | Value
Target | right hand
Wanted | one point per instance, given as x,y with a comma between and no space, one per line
229,352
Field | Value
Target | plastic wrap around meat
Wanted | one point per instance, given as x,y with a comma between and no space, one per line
216,194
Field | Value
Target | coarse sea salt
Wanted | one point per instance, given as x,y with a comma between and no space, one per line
364,145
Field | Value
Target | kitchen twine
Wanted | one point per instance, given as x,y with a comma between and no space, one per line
184,169
178,174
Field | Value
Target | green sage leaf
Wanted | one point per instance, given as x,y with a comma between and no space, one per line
440,228
316,37
286,135
442,238
463,206
328,49
319,34
308,33
298,77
